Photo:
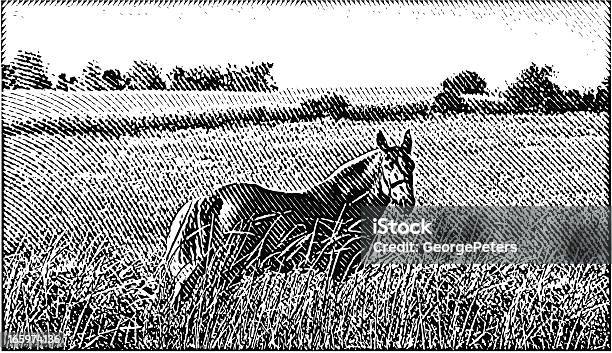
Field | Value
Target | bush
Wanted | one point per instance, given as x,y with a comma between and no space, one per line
453,88
329,104
446,101
465,82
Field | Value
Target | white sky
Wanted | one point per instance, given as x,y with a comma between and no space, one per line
329,45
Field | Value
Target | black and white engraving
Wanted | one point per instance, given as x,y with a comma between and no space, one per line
305,175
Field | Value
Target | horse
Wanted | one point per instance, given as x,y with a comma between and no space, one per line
264,228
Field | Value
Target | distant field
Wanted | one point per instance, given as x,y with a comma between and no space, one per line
36,105
107,202
127,113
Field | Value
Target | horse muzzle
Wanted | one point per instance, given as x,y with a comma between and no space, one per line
402,196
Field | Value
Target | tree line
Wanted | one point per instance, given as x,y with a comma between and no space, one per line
29,71
533,90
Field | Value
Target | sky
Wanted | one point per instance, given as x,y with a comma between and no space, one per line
332,45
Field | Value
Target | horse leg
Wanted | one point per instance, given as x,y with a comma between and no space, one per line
180,279
188,241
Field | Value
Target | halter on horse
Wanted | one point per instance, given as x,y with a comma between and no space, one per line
268,228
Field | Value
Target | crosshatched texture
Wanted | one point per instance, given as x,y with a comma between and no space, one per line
191,188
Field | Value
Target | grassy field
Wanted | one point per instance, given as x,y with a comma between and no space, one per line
85,218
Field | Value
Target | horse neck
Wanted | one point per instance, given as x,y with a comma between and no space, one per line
358,178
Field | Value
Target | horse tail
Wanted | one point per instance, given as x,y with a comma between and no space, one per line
186,244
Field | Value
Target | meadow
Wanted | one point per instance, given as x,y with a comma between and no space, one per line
86,215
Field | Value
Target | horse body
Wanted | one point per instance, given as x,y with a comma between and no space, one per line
326,199
253,223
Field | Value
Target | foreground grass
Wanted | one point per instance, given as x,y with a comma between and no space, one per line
100,300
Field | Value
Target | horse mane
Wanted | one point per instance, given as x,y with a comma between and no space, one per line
356,175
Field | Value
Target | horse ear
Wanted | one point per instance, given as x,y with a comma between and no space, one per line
407,143
381,141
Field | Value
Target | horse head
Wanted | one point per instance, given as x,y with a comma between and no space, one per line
397,166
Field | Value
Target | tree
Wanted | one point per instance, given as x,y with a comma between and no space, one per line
200,78
533,90
113,80
573,100
602,97
178,79
256,78
589,100
465,82
449,101
30,72
8,76
92,77
144,75
204,78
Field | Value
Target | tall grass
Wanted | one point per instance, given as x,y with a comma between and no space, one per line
97,299
412,307
89,293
